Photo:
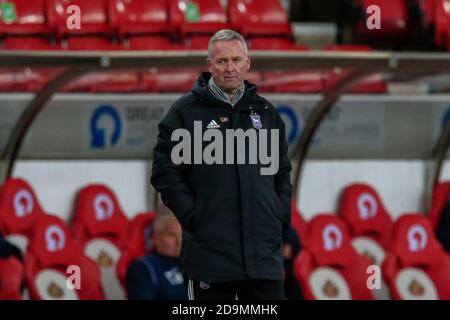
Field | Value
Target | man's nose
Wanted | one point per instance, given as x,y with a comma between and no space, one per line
230,66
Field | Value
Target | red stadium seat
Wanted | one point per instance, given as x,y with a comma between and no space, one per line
259,18
292,81
442,23
19,211
361,207
139,242
371,84
12,275
394,18
328,267
269,43
369,223
100,227
27,29
416,266
170,80
29,18
133,17
144,24
94,32
52,250
107,81
197,18
152,43
440,197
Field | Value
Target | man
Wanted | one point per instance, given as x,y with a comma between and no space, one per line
231,213
158,276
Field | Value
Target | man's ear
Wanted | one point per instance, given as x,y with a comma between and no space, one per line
248,63
209,63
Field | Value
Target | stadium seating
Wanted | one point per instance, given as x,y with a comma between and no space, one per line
370,225
442,23
394,18
195,22
24,26
95,33
416,266
19,211
169,80
328,267
139,241
142,24
107,81
372,84
12,276
100,227
264,23
259,18
51,251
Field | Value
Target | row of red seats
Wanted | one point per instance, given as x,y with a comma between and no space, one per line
182,80
142,24
398,21
101,241
339,250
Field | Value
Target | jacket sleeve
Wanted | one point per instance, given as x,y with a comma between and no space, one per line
283,186
168,178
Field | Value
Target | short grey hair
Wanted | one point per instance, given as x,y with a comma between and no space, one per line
161,220
226,35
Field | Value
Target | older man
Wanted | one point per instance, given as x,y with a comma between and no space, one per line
158,276
232,213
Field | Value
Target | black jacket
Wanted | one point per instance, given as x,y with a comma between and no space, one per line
232,216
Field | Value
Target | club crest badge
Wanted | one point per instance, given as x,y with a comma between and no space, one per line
256,120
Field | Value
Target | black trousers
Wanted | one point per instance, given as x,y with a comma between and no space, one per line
254,289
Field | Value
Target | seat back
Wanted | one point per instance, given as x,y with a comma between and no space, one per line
132,17
23,17
394,18
415,267
19,209
139,242
329,268
93,17
101,227
361,207
11,278
198,17
259,18
52,257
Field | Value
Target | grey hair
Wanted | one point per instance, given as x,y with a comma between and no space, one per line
161,218
226,35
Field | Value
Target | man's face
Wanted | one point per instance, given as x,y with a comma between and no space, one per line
229,65
167,241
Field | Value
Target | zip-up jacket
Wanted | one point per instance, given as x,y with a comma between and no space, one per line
232,215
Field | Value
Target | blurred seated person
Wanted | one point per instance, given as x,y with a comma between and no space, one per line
12,273
158,276
291,248
443,227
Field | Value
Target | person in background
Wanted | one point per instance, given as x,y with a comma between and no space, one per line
443,227
158,276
